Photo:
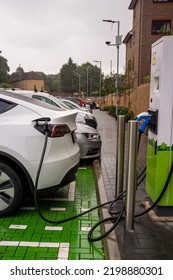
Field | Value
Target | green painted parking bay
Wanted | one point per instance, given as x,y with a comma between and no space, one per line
25,236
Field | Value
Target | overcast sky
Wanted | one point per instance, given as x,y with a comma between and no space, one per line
41,35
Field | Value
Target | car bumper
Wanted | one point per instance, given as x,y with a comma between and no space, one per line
89,149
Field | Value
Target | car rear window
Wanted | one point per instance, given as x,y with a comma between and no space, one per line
6,105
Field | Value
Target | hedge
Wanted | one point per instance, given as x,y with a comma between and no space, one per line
121,111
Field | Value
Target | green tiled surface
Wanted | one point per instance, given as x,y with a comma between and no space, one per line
79,246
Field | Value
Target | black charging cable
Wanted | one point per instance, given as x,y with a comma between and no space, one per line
36,191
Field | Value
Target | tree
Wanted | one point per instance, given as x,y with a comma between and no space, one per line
20,70
108,85
68,77
84,78
89,79
18,73
4,69
56,84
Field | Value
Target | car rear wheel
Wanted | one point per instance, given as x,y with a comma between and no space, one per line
11,190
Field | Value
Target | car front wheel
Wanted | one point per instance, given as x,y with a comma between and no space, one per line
11,190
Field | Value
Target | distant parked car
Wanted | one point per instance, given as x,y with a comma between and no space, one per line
22,129
77,100
72,104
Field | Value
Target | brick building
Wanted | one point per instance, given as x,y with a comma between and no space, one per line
152,19
28,80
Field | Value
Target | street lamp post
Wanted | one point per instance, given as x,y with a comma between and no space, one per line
87,81
118,42
79,84
100,84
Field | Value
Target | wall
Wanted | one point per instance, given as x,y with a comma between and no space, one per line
144,12
29,84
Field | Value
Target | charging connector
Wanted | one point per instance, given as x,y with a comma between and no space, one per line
146,117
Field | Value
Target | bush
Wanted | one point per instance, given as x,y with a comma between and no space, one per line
121,111
104,107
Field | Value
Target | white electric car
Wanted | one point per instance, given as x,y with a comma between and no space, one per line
23,122
87,137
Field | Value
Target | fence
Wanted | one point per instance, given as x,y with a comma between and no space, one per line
137,101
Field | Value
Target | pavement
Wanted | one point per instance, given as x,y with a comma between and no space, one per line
151,238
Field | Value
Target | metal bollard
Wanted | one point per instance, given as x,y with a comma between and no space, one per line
120,154
131,174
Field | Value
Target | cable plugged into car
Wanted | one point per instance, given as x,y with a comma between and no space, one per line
42,124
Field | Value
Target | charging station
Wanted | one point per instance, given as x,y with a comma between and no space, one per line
160,134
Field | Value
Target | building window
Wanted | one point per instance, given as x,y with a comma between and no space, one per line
159,1
161,27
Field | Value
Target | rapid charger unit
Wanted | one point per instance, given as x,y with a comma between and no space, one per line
160,135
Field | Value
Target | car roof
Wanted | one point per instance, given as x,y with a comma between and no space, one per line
30,94
21,99
41,108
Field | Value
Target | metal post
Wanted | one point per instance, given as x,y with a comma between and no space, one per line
117,78
131,174
87,81
79,84
120,154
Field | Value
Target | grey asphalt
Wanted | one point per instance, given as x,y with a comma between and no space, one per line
152,237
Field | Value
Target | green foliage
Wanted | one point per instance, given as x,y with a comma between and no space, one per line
89,79
147,79
121,111
56,84
68,76
4,69
109,85
5,85
104,107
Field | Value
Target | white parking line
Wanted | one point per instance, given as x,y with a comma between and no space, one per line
63,251
53,228
57,209
63,247
71,192
18,226
85,229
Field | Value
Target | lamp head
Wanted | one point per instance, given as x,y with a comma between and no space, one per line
107,43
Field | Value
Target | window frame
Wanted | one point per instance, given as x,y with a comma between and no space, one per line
162,22
162,1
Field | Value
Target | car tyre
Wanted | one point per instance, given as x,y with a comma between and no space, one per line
11,190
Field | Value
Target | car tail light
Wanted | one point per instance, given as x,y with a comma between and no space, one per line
54,130
82,103
59,130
